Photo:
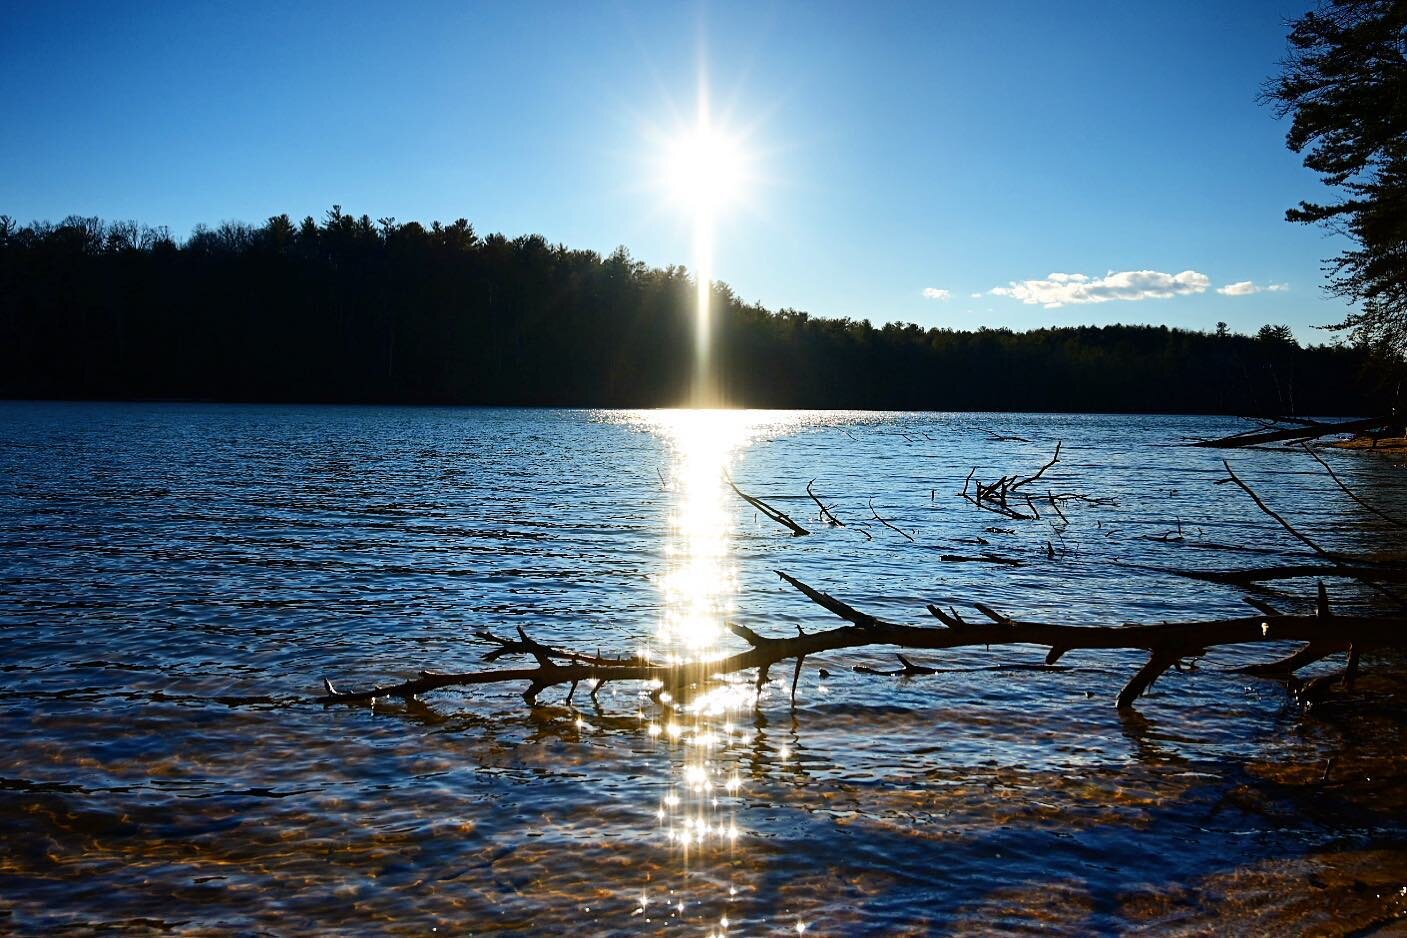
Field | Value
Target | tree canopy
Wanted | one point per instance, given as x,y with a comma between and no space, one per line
351,309
1345,86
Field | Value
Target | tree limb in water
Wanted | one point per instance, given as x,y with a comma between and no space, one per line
887,524
1252,575
780,517
999,438
1306,430
997,496
829,516
984,558
1346,565
1166,644
1395,522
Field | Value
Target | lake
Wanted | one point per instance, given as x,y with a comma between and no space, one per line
176,580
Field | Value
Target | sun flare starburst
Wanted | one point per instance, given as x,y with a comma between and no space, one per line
704,169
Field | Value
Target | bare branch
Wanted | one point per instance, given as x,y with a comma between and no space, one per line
826,513
829,516
1348,491
777,516
886,523
1040,472
1166,643
1345,564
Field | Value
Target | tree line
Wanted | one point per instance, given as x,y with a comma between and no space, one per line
355,310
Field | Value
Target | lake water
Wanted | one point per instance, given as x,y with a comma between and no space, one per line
176,580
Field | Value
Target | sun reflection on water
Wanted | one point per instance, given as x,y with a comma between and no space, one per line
698,811
699,582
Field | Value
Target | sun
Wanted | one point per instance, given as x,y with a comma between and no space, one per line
704,172
705,169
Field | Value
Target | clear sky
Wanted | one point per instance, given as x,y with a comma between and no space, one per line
1057,153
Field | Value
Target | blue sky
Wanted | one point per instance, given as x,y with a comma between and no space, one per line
955,148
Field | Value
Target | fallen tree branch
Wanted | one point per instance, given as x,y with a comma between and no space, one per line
1345,564
829,516
886,523
1039,472
778,516
1396,522
999,438
984,558
1307,430
997,496
1166,644
1253,575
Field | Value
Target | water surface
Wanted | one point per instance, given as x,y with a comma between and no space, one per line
176,580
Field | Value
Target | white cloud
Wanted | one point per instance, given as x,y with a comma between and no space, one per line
975,296
1247,287
933,293
1059,289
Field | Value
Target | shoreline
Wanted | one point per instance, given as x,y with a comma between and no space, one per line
1388,445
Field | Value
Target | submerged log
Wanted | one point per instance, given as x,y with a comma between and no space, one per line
1304,430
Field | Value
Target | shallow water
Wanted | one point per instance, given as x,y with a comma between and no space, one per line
176,580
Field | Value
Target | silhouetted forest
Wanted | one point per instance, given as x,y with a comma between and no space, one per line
354,310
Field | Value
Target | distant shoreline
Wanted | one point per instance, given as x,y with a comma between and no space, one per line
235,402
348,311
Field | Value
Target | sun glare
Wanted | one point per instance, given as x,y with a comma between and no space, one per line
705,169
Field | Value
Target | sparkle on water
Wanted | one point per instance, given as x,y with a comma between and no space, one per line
699,589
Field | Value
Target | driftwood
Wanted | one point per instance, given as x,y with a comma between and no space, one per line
984,558
1304,430
886,522
778,516
996,497
1167,644
1347,566
829,516
999,438
1390,519
1251,575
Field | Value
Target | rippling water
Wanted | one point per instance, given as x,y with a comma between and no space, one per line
176,580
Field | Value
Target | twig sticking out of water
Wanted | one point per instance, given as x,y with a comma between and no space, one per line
997,496
999,438
778,516
1396,522
1345,564
829,516
887,524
